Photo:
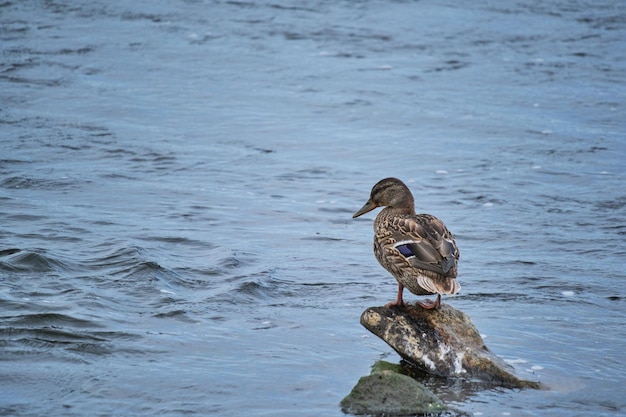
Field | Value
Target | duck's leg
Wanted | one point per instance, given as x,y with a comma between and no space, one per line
399,302
431,305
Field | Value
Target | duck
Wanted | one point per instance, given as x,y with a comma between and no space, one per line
417,249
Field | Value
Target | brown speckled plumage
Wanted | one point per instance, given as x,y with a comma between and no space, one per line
417,249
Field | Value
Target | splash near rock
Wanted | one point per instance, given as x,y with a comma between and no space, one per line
442,342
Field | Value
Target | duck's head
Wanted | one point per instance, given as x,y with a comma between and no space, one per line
390,192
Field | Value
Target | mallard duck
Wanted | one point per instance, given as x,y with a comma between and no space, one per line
417,249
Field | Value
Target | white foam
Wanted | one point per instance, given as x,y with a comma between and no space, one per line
429,363
458,364
443,352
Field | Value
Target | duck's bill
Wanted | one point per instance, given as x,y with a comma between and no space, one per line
369,206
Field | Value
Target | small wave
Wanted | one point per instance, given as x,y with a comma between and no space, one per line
47,339
179,241
43,340
176,314
141,269
260,288
18,260
118,258
237,259
21,182
324,239
51,320
336,210
305,174
144,277
23,217
128,269
45,331
610,205
148,277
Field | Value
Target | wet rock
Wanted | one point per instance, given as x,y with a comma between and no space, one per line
441,342
387,392
381,366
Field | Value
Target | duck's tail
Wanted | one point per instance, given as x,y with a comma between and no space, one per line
439,286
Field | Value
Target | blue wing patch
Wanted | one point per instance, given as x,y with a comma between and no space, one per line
423,251
405,250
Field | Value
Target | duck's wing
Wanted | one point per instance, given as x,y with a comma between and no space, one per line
426,243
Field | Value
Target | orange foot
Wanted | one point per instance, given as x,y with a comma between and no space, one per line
429,304
397,303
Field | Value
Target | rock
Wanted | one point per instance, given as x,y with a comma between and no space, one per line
380,366
441,342
387,392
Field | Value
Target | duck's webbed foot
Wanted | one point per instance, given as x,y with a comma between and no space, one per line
429,304
399,302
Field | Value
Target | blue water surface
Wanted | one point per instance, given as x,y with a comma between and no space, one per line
177,180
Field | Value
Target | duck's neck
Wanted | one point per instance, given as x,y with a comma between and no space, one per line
405,209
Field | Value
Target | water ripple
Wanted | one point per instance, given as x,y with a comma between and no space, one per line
17,260
43,332
176,192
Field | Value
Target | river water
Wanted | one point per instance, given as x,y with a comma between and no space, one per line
177,180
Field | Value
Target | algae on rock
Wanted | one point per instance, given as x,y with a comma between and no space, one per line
389,393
